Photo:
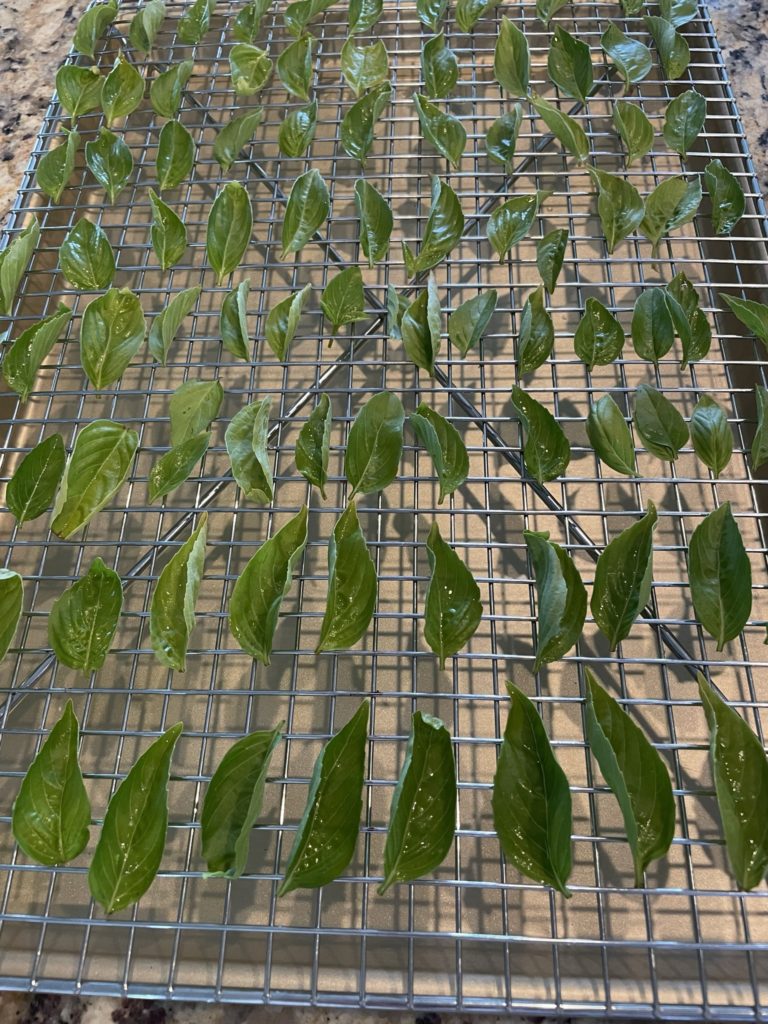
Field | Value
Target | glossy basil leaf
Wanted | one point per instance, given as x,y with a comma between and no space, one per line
760,441
110,162
233,802
294,67
122,91
720,576
169,236
166,90
11,597
313,444
469,12
195,21
421,326
634,128
683,300
444,131
545,9
467,323
343,298
501,138
375,444
445,446
619,205
193,407
623,578
653,331
111,333
631,58
683,121
172,611
98,465
308,206
175,155
431,12
445,224
422,815
364,66
246,25
560,595
33,486
452,606
233,321
531,799
83,620
145,24
297,15
599,338
397,304
229,229
352,586
246,439
662,429
166,324
297,130
259,591
754,315
439,67
282,321
678,12
565,129
86,258
363,15
634,770
56,165
356,133
78,89
570,65
711,434
51,812
550,253
128,854
376,221
610,436
328,831
30,349
740,774
13,263
250,68
173,468
674,52
537,333
546,450
672,203
728,200
511,222
92,26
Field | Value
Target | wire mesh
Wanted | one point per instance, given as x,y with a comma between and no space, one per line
476,935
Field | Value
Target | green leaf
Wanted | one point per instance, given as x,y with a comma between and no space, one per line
545,9
672,203
537,333
51,812
246,439
110,162
313,444
711,434
678,12
33,486
696,337
83,620
233,802
396,306
13,263
672,48
166,90
444,131
740,774
546,450
431,12
111,333
351,586
753,315
145,24
452,606
56,165
375,221
421,326
720,576
92,26
297,130
86,258
467,323
683,121
233,321
422,815
445,224
610,436
728,200
169,236
619,205
570,65
636,774
599,338
166,324
501,138
632,59
11,597
175,155
194,405
132,840
95,470
30,349
760,440
78,89
294,67
439,67
445,446
511,222
531,799
122,91
565,129
173,468
343,298
356,133
364,66
632,7
195,22
363,15
634,128
550,253
246,25
375,444
560,595
282,321
250,68
327,834
229,229
308,206
298,15
662,429
172,612
653,331
623,578
469,12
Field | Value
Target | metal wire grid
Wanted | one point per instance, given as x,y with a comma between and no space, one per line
476,936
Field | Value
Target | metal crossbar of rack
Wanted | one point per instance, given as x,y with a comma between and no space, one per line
476,935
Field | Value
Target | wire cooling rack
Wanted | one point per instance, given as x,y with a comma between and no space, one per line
475,935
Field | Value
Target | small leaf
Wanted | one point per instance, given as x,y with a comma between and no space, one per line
467,323
375,444
173,468
363,15
610,436
313,444
672,203
83,621
444,131
246,439
662,429
632,7
356,133
298,15
33,486
439,66
546,450
445,225
246,25
193,407
364,66
297,130
169,236
619,206
172,612
122,91
294,67
230,222
282,321
166,324
678,12
720,576
653,331
634,128
351,586
599,338
711,434
537,333
343,298
166,90
78,89
396,306
195,21
452,606
421,327
501,138
550,253
728,200
445,446
250,68
175,155
26,355
110,162
56,165
570,65
565,129
511,222
11,598
86,258
145,24
760,441
469,12
753,315
92,26
13,263
632,59
431,12
545,9
672,48
376,221
111,333
233,321
308,206
560,595
683,121
683,302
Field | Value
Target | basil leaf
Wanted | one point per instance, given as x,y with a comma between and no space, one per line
375,443
683,121
445,446
122,91
662,429
83,620
610,436
760,440
467,324
98,465
431,12
92,26
754,315
511,222
375,221
634,128
358,124
110,162
364,66
246,439
550,253
632,7
711,434
546,451
250,68
351,586
672,203
26,355
33,486
258,593
363,15
298,15
632,59
172,612
439,66
545,9
229,229
51,812
623,578
501,138
570,65
13,263
193,407
560,595
452,606
445,224
469,12
145,25
678,12
128,854
282,321
728,200
421,326
396,307
672,48
720,576
422,815
308,206
175,155
56,165
636,774
195,21
165,91
86,258
298,130
740,774
444,131
111,333
343,299
173,468
11,597
294,67
169,236
78,89
246,25
565,129
697,338
531,799
233,321
619,205
599,338
653,332
328,831
313,444
233,803
537,333
167,323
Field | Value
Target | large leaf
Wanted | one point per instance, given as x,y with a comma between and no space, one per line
512,59
297,130
250,67
674,52
86,258
13,263
550,253
619,205
351,585
599,337
720,576
308,206
537,333
375,444
511,222
726,195
444,131
672,203
166,90
11,597
439,67
546,450
111,333
78,89
421,326
110,162
294,67
283,320
166,324
364,66
246,440
358,125
561,598
445,446
631,58
122,91
634,128
753,315
172,612
26,355
228,234
83,620
376,221
313,444
175,155
501,137
653,330
445,224
610,436
92,25
194,405
56,165
343,298
662,429
565,129
467,323
33,486
175,466
711,434
169,236
683,121
452,607
236,134
570,65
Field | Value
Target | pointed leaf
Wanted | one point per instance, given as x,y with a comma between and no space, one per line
634,128
343,298
683,121
469,12
720,576
653,331
421,327
358,125
396,306
445,225
32,347
376,221
711,434
195,21
444,131
610,436
11,597
313,444
545,9
560,595
166,90
760,441
166,324
375,444
697,339
672,48
233,138
83,620
662,429
570,65
13,263
33,486
110,162
298,130
568,131
679,12
169,236
111,333
246,25
175,155
122,91
501,137
445,446
172,612
728,200
452,606
753,315
194,405
233,321
363,15
467,323
246,439
431,12
228,235
173,468
672,203
511,222
56,165
86,258
145,25
537,333
250,68
92,26
352,586
546,450
632,59
283,320
439,67
599,338
78,89
308,206
364,66
294,67
619,205
550,253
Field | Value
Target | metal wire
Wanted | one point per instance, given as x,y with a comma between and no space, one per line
476,936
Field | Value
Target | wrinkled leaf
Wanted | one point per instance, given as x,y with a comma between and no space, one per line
13,263
172,612
568,131
421,326
467,323
33,486
308,206
674,52
570,65
169,236
546,450
728,200
683,121
250,68
233,321
599,338
444,131
11,598
653,331
282,321
445,224
364,66
111,333
501,138
343,298
313,444
672,203
26,355
610,436
122,91
511,222
358,125
560,595
445,446
175,466
78,89
297,130
375,444
550,253
351,586
634,128
195,21
294,67
711,434
83,620
619,205
175,155
537,333
720,576
92,26
145,24
56,165
110,162
246,440
166,324
452,606
193,407
662,429
631,58
376,221
229,229
166,90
